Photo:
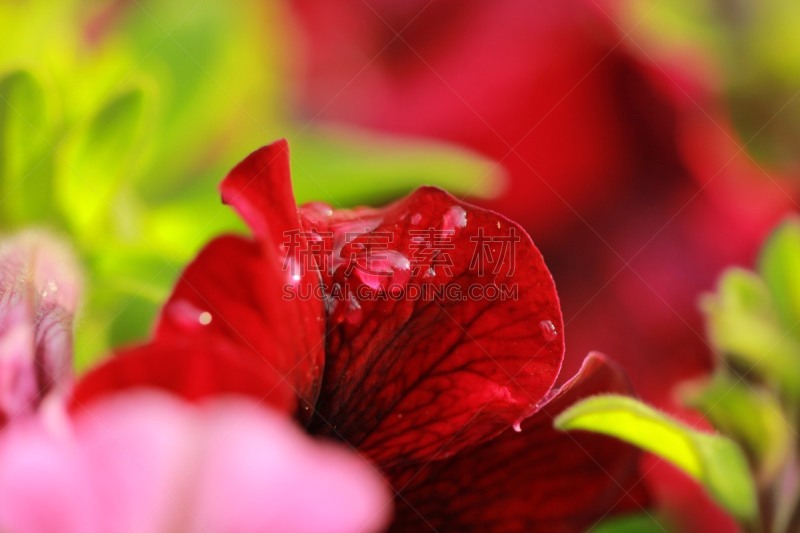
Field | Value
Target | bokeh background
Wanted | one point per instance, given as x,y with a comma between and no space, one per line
646,145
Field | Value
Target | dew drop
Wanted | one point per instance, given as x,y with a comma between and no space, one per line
415,218
456,217
204,318
548,330
316,212
294,270
530,411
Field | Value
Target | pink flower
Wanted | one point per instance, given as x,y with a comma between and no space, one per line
148,462
39,290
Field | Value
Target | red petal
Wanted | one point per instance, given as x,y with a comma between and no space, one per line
225,328
194,367
406,377
537,480
260,189
251,299
231,291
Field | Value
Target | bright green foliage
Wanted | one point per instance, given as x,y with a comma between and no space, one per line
779,265
116,130
638,523
753,321
715,461
753,48
25,166
750,414
743,324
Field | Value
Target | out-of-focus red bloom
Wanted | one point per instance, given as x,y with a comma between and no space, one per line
431,390
627,172
543,87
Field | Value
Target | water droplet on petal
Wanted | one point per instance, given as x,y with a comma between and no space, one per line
294,270
415,218
183,312
549,331
316,212
384,268
456,217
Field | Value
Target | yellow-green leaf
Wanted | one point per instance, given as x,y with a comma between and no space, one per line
779,264
347,166
98,160
714,461
744,325
749,413
25,154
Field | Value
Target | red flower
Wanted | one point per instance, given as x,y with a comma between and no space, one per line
626,171
427,388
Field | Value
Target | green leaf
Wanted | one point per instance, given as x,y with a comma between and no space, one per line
750,414
635,523
131,284
25,159
98,161
714,461
219,75
744,325
779,265
346,166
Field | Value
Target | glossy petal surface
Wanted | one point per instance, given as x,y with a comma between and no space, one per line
538,479
193,368
424,355
219,332
260,189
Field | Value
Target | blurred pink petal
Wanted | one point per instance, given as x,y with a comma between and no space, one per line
39,288
148,462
